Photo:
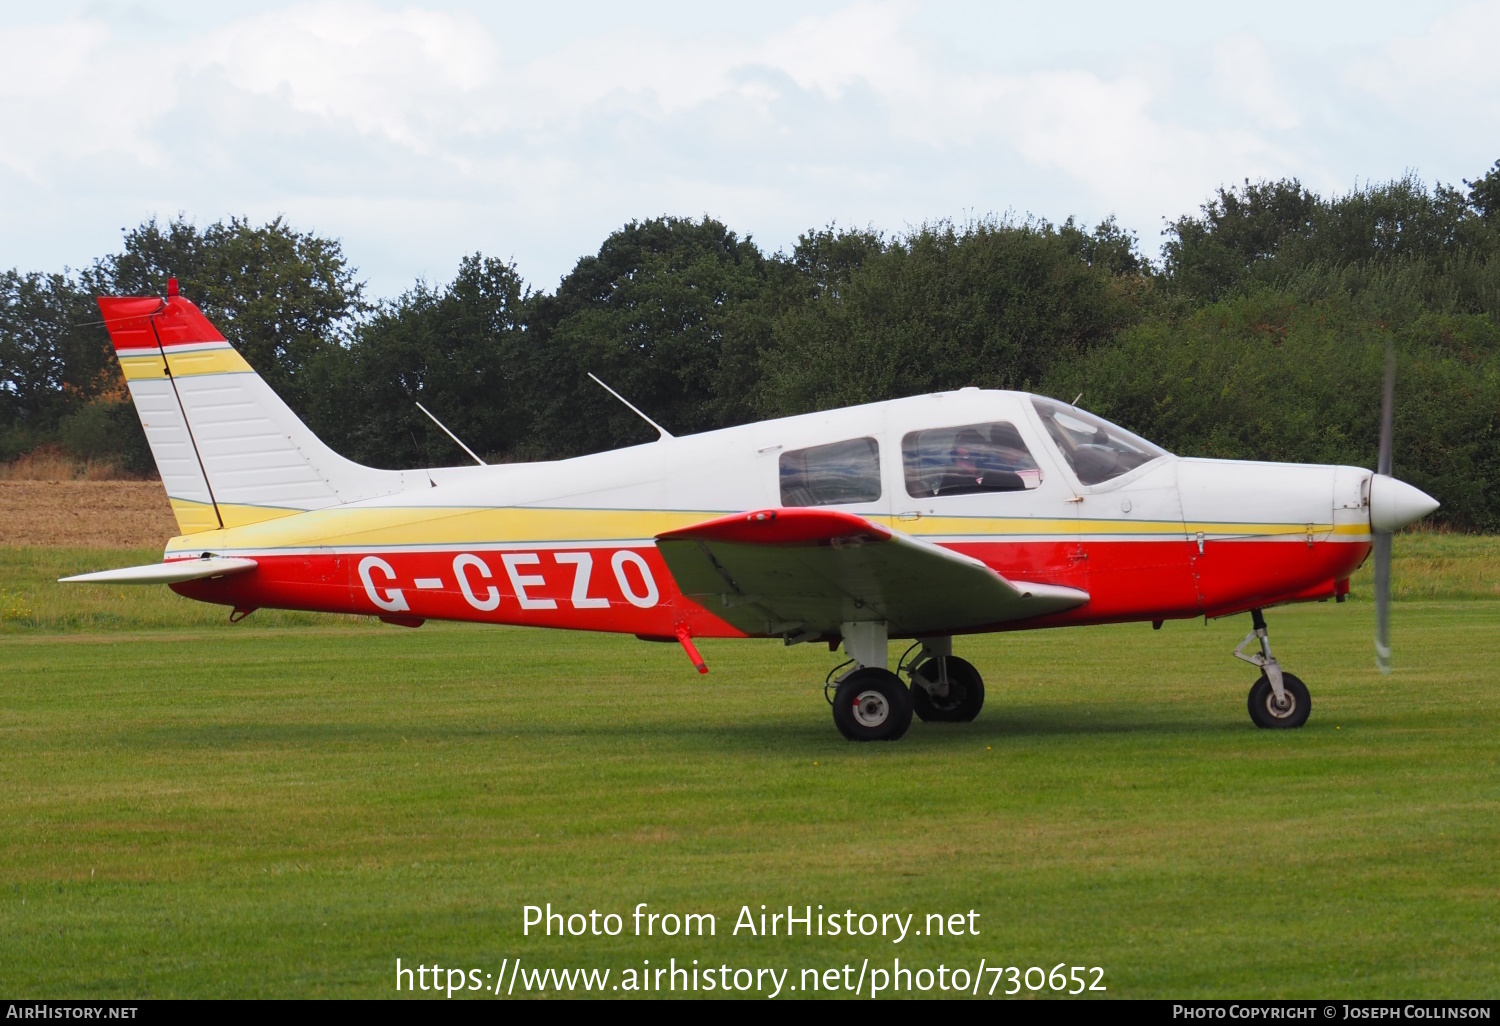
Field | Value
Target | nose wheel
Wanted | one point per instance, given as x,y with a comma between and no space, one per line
1285,712
1278,700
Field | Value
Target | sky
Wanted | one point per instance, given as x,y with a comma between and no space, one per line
420,132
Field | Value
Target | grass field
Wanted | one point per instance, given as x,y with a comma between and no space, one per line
284,807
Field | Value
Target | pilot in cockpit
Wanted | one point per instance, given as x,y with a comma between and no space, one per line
1009,450
977,465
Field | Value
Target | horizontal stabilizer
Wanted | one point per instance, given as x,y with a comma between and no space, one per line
166,573
808,571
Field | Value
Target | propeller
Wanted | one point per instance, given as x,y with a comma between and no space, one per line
1383,538
1393,505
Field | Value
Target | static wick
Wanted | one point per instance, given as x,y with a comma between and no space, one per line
451,435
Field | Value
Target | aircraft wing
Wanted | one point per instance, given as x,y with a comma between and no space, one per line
166,573
795,570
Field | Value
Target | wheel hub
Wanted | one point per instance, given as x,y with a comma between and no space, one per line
945,694
951,698
871,708
1286,706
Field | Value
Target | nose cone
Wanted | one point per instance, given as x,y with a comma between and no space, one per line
1394,504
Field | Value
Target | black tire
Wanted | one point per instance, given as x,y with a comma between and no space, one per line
872,704
965,692
1264,712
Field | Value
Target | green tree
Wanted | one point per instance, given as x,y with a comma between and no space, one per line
664,313
54,356
991,304
1395,220
1484,194
825,261
1208,255
454,349
1435,246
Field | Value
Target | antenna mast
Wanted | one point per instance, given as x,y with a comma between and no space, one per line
451,435
663,431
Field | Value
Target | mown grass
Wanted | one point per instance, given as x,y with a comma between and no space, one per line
283,811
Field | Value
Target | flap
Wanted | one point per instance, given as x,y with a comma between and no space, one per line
166,573
793,570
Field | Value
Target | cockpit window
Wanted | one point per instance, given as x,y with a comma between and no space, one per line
1097,450
968,459
831,475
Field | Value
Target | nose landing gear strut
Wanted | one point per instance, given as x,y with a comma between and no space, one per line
1278,700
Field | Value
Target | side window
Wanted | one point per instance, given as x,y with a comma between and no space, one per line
829,475
967,459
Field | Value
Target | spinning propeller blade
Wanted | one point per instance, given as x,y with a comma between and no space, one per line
1383,538
1383,602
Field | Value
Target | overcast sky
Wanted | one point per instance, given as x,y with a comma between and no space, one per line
418,132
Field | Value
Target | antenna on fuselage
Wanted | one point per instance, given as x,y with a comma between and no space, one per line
663,431
1075,399
451,435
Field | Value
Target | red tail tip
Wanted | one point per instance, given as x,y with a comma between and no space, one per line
171,287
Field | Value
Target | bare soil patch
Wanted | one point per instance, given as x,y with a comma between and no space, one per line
85,514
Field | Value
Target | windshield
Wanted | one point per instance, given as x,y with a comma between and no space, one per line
1097,450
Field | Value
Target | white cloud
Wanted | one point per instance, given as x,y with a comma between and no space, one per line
1454,60
863,44
1435,90
403,75
421,132
66,93
1247,78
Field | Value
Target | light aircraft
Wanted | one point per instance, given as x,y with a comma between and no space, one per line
922,518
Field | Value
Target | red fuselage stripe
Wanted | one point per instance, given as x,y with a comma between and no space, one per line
630,590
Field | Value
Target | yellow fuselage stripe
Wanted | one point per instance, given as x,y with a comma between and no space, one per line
262,528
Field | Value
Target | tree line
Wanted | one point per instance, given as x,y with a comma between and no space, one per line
1259,333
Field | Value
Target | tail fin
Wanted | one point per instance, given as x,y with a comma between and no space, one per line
230,452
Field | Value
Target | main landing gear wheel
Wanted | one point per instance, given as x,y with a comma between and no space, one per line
1292,711
871,704
956,700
